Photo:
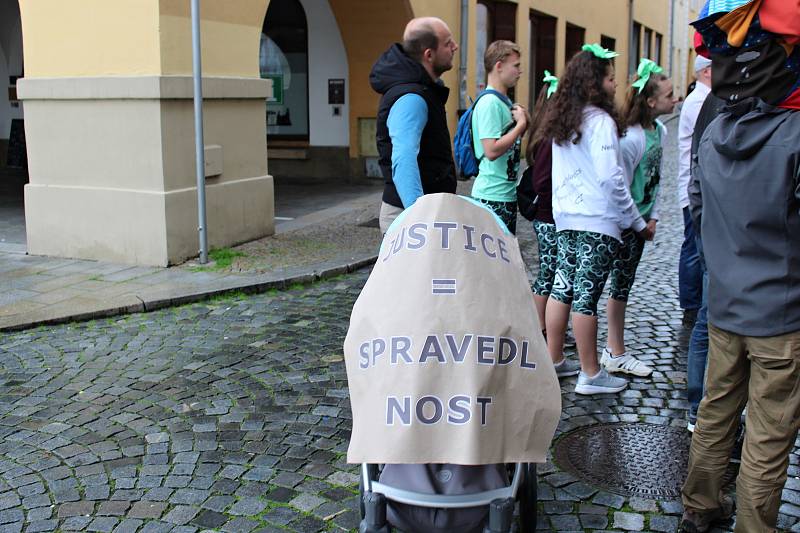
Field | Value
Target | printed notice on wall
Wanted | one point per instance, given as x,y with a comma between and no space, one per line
445,357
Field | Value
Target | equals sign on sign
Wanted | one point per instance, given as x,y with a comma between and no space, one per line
443,286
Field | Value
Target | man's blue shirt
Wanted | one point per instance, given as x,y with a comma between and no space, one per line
407,118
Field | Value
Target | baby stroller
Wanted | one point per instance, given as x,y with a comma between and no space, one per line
383,505
453,395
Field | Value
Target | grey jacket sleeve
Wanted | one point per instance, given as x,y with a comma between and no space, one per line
797,182
695,194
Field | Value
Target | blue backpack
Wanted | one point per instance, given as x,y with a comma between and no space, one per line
463,147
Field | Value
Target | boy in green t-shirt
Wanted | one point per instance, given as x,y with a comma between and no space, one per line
497,131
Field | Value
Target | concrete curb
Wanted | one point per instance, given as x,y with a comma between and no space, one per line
129,303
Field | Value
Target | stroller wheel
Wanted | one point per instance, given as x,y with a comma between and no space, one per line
373,475
528,499
362,511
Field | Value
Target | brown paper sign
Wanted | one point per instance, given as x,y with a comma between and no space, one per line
445,357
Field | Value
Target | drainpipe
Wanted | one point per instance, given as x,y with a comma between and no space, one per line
631,57
462,57
671,36
199,144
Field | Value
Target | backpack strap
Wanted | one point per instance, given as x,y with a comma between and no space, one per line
503,98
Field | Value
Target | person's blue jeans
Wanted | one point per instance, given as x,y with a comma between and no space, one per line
690,273
698,347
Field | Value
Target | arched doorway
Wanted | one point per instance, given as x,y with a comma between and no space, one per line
283,57
13,156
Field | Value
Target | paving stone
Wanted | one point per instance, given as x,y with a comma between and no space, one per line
232,471
67,510
40,513
113,508
190,496
76,523
672,507
128,526
247,507
11,515
593,521
99,492
218,503
565,523
629,521
146,509
308,524
642,505
42,525
181,514
104,524
306,502
664,523
239,525
8,500
209,519
607,499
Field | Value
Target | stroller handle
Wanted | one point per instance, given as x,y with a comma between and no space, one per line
442,501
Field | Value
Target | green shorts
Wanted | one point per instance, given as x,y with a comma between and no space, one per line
585,260
507,211
623,269
547,238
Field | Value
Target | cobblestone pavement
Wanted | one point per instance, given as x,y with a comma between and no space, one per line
232,415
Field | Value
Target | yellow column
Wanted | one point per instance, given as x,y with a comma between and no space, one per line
109,127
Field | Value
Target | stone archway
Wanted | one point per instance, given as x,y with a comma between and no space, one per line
13,155
368,27
11,69
110,130
345,38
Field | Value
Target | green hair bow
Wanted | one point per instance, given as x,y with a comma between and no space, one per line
552,81
646,68
599,51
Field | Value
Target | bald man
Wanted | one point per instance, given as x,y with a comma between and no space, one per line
413,139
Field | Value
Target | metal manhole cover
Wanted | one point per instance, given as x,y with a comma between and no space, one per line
632,459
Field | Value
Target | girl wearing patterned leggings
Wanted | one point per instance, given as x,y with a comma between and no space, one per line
592,205
539,158
642,147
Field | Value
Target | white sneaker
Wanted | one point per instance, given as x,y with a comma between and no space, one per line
690,427
624,363
600,384
567,368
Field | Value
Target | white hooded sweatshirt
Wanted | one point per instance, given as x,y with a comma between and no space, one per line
590,192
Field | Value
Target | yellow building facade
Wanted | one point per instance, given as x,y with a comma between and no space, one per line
105,91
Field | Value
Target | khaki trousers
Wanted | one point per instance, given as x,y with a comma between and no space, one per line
764,374
388,214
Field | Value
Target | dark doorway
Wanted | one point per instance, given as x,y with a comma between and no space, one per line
13,152
283,57
495,21
575,39
543,51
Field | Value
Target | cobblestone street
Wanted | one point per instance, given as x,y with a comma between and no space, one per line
233,415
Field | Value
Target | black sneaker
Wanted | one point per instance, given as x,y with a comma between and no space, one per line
694,522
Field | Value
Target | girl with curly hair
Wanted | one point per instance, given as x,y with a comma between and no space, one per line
649,97
539,156
592,205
